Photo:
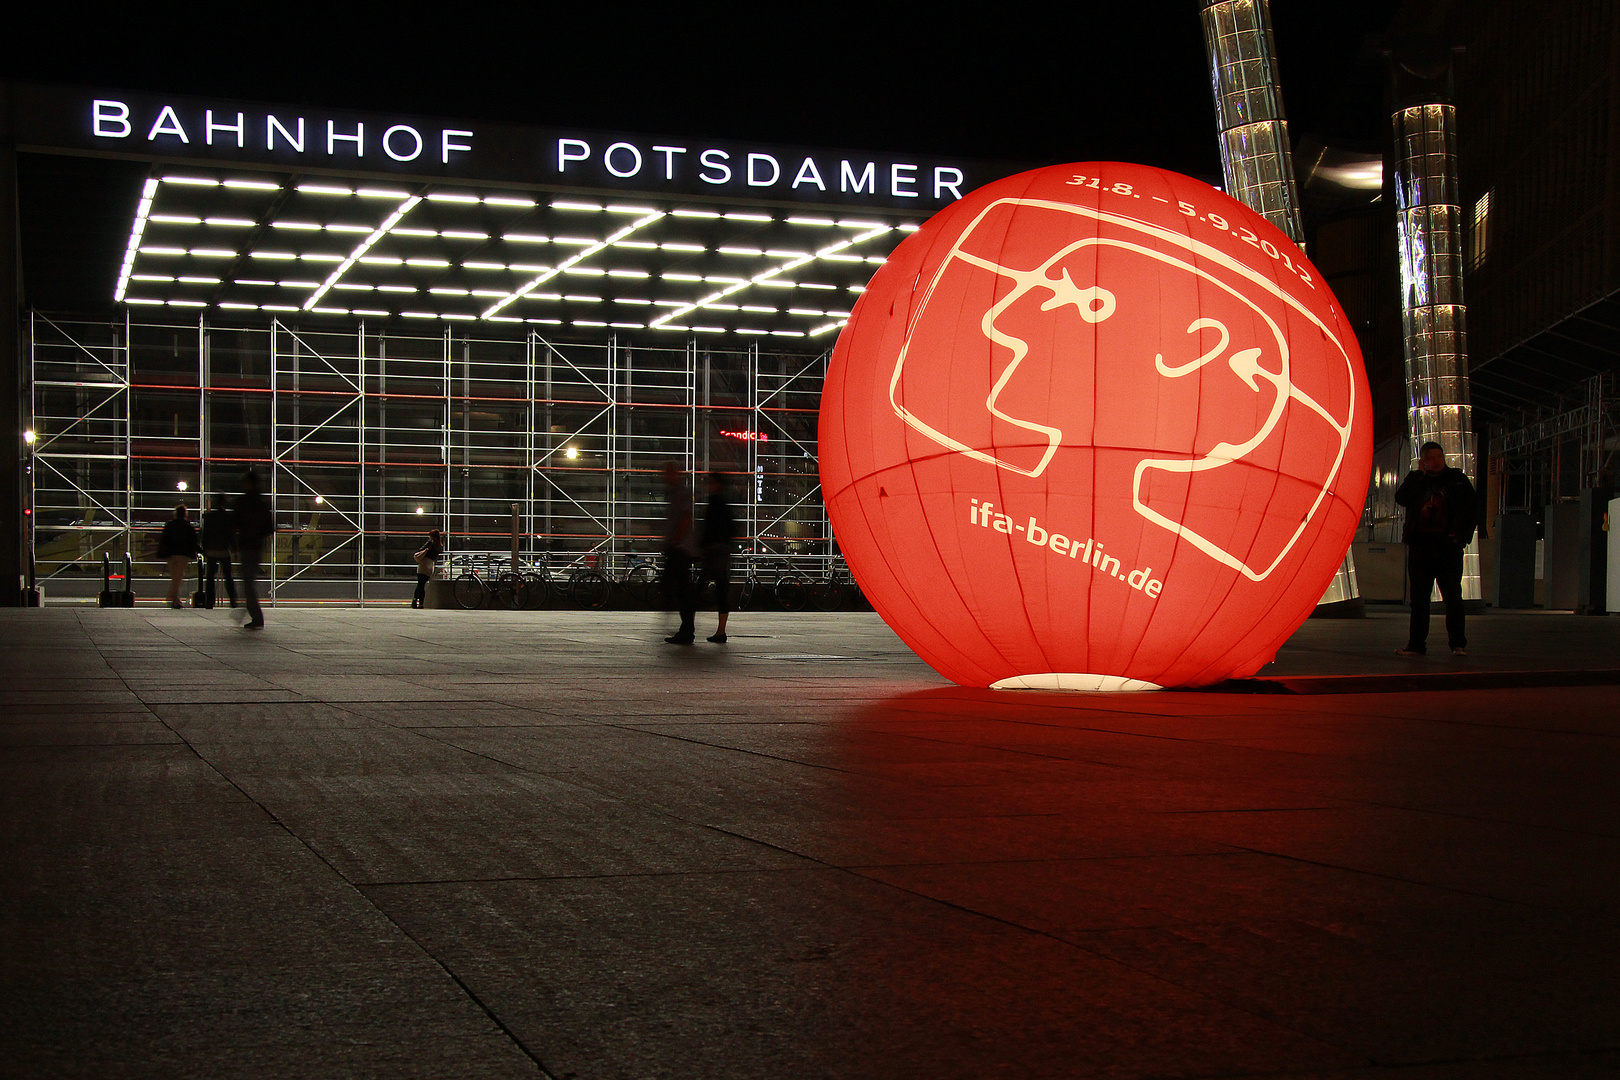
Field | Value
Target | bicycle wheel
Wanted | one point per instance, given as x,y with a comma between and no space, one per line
641,584
534,591
590,589
509,591
745,592
828,596
469,592
792,592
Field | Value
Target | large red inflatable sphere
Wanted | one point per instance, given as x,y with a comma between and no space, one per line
1095,426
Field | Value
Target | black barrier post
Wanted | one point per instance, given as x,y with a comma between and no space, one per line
105,599
129,581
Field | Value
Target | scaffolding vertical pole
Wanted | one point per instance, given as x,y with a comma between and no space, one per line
360,466
275,447
612,487
129,440
531,417
690,456
447,363
550,417
826,519
382,516
1428,229
751,447
203,442
1256,156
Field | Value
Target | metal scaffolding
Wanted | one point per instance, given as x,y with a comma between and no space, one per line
367,437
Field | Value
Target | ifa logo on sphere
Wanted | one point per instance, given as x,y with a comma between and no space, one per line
1095,426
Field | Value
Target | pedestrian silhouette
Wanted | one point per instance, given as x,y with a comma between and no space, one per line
178,547
255,524
1440,522
714,561
218,538
425,557
680,547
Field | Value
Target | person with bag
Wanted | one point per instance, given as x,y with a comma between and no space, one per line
255,523
177,546
425,557
217,537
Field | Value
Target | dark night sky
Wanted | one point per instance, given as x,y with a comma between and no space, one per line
1124,81
1117,81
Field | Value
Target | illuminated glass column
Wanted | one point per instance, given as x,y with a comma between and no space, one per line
1256,158
1428,226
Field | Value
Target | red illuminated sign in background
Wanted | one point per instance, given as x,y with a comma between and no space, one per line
1095,426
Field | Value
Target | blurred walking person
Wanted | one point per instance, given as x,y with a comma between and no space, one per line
680,546
178,547
714,555
255,524
425,557
217,540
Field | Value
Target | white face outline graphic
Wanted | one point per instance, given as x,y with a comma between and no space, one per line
1097,304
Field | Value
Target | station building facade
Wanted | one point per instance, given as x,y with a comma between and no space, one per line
406,323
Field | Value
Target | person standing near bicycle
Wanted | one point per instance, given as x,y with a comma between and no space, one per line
425,557
680,548
714,554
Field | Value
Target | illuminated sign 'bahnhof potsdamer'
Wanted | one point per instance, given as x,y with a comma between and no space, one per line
287,210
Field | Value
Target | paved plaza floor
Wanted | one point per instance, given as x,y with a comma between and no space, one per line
390,843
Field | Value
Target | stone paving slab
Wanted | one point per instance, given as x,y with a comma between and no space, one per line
388,843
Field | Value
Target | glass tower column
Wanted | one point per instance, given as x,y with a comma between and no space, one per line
1256,157
1428,226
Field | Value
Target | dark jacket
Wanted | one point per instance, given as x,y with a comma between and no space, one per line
217,534
426,556
179,538
719,525
1440,508
251,515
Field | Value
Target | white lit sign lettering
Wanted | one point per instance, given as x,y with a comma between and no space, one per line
277,134
112,119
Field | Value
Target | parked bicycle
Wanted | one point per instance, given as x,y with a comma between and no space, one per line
641,582
483,582
834,590
774,578
579,583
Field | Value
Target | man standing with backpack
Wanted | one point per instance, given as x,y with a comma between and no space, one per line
255,524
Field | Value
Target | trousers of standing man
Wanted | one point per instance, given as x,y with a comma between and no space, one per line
218,564
677,580
251,567
1430,562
